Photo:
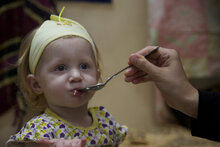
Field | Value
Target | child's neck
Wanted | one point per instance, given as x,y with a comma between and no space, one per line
76,116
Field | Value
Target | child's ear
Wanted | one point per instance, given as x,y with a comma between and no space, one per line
34,84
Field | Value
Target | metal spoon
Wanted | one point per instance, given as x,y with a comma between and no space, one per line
101,85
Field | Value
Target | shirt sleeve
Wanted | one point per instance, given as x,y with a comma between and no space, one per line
34,129
207,124
119,131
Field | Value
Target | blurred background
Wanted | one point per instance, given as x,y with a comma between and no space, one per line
119,28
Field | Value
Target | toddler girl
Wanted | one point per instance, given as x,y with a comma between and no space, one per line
59,58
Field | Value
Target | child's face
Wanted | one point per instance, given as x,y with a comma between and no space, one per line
65,65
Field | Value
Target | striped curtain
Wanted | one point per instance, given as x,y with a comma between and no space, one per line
17,18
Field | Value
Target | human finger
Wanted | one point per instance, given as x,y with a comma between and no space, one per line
131,71
141,63
142,79
146,50
134,76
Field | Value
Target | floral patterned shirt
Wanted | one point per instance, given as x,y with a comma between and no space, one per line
104,130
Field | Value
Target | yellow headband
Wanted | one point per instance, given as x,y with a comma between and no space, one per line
51,30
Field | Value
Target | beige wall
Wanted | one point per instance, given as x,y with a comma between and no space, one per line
119,29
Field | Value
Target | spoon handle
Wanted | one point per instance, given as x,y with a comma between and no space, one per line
101,85
146,56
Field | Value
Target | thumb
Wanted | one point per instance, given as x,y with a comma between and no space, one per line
143,64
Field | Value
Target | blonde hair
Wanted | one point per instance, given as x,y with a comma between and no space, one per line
36,101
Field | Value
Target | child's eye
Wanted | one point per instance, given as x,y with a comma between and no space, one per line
83,66
60,68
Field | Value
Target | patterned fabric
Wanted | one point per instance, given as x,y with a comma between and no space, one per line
104,130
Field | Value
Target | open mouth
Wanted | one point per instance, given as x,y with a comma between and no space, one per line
77,92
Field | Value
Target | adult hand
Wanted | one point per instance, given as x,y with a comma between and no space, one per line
165,69
62,142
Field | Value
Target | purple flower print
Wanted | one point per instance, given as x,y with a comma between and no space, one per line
110,122
48,125
89,134
62,135
110,132
46,135
104,125
101,108
30,133
77,134
62,126
93,142
106,141
33,125
107,114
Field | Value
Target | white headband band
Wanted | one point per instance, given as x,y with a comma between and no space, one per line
51,30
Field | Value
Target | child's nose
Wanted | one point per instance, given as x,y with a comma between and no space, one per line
75,76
